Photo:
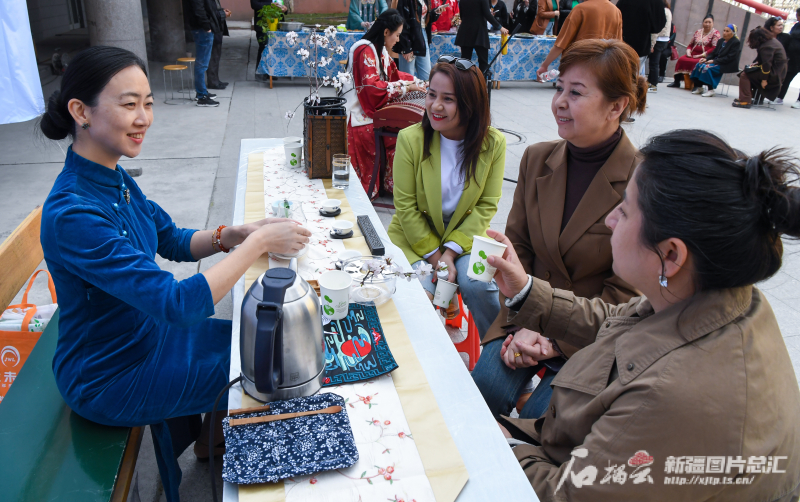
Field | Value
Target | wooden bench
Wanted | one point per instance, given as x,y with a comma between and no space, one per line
48,452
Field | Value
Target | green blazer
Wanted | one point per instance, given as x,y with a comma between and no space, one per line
418,226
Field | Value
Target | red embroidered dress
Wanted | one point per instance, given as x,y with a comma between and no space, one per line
700,44
373,92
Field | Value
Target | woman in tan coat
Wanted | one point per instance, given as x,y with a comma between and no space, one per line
546,21
687,392
565,190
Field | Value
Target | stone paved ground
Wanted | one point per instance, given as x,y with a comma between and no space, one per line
189,161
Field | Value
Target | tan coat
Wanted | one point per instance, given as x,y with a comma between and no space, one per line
590,19
707,377
544,14
579,259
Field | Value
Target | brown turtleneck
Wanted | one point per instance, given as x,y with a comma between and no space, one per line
582,166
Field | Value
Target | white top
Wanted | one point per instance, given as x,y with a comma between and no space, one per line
452,184
663,35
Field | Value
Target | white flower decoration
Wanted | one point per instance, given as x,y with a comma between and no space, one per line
339,49
326,81
374,266
423,270
303,53
330,32
442,265
291,38
323,62
289,115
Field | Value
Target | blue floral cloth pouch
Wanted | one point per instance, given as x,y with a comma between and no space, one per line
269,452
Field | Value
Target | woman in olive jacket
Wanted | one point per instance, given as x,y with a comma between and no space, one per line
687,392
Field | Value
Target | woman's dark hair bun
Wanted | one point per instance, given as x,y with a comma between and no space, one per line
770,179
86,76
729,209
54,124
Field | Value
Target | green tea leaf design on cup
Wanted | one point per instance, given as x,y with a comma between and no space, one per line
328,310
328,299
293,162
478,267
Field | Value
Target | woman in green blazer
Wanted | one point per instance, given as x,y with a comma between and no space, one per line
447,181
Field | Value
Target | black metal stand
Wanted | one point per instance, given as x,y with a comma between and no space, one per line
488,72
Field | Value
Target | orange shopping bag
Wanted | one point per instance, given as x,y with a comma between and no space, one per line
16,345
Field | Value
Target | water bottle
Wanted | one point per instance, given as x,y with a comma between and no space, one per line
550,76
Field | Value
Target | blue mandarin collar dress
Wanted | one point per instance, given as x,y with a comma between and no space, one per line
136,346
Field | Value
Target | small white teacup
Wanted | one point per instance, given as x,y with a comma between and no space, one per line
330,205
342,227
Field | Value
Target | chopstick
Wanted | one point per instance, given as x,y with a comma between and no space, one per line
254,409
283,416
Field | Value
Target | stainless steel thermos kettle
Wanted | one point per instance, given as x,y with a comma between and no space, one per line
281,342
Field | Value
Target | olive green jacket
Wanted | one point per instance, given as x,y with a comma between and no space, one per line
418,226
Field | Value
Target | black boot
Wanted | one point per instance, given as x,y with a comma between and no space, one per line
675,83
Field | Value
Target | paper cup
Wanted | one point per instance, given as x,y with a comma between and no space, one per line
292,139
279,210
294,152
342,227
330,205
444,293
334,288
482,249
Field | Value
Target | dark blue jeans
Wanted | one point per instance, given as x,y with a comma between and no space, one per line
203,41
501,386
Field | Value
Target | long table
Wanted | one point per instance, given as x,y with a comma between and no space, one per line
494,473
524,56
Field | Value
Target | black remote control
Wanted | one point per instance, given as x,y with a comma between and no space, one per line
371,236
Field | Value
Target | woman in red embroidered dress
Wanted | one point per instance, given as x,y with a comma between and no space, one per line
703,42
376,81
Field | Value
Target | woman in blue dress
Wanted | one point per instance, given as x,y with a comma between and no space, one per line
136,346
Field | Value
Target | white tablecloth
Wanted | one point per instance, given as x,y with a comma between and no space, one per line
494,473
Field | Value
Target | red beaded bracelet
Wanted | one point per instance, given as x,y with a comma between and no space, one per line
218,240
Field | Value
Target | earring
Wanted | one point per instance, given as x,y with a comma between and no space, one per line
662,279
85,126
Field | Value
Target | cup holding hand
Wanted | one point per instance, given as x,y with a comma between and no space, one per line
511,276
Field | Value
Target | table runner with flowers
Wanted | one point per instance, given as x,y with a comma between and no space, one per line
390,465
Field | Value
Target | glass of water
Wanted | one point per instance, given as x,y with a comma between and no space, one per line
341,170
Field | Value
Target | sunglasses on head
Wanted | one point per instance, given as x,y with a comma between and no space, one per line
461,63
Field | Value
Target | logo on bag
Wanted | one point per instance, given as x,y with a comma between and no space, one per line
10,356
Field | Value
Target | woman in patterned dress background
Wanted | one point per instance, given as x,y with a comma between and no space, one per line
376,81
703,42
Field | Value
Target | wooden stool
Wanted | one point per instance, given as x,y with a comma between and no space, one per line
190,61
173,68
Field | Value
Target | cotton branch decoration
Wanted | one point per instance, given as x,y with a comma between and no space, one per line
319,54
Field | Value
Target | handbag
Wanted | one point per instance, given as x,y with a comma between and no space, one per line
752,68
674,54
21,325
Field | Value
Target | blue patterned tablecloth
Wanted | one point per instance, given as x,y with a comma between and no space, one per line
524,56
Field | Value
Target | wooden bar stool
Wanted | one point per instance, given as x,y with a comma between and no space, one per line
171,68
190,62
